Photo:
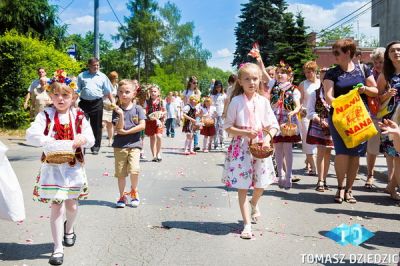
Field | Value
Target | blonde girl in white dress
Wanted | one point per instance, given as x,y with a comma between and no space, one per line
61,184
247,115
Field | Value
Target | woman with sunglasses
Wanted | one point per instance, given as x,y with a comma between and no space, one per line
339,80
192,89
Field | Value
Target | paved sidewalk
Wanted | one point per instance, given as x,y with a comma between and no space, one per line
187,217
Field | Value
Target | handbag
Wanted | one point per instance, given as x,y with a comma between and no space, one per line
373,104
316,135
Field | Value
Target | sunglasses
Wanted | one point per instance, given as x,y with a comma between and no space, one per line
194,82
336,52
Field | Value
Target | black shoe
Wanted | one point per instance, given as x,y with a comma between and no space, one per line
159,159
95,150
56,260
196,148
69,242
155,159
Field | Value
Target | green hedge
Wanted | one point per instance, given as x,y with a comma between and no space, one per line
20,56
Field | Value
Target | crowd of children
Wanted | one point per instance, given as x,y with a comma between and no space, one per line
262,106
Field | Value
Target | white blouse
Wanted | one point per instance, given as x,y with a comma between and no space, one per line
238,116
35,133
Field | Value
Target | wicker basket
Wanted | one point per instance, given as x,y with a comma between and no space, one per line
59,152
60,157
156,115
288,129
259,151
208,122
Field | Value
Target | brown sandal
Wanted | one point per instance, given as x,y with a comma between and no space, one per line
339,199
320,186
369,182
348,197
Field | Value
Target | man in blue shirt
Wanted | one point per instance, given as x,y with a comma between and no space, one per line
93,86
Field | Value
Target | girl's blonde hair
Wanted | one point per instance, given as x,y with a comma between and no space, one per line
238,89
194,98
206,100
60,87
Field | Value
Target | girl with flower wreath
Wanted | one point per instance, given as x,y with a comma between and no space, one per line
208,111
61,184
248,115
285,101
154,125
318,133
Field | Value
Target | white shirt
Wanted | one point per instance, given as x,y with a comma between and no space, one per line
309,87
238,116
35,133
219,102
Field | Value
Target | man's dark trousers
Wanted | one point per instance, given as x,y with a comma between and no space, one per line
94,112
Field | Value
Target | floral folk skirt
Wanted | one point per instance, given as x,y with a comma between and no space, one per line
242,171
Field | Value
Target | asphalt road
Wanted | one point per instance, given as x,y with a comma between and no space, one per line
187,217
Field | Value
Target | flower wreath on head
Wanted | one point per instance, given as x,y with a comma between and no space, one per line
283,65
60,76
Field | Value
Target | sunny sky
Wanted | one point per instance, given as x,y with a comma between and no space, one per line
215,20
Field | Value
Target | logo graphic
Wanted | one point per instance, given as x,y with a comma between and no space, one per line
354,234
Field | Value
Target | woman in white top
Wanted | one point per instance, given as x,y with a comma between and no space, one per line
218,97
307,87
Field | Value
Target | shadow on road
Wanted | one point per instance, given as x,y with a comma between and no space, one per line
363,214
211,228
15,251
97,202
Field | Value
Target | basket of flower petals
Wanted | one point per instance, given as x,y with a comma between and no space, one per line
59,152
259,151
208,121
156,115
288,129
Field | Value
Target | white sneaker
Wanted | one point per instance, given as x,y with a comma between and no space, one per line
121,202
135,200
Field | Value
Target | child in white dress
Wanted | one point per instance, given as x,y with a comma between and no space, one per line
248,115
61,184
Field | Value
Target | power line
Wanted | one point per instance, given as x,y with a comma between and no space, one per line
112,9
346,16
64,8
352,18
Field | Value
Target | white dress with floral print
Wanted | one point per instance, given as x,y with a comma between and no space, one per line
241,170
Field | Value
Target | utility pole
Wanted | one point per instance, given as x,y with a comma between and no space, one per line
96,51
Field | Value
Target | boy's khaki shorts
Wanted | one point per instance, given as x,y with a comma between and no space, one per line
126,162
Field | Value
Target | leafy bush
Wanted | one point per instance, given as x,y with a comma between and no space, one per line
20,56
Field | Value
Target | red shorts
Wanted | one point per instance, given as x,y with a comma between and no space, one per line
152,128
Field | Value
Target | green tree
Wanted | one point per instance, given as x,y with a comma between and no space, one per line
143,33
121,61
295,48
327,37
36,18
280,34
262,22
20,56
166,82
85,45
